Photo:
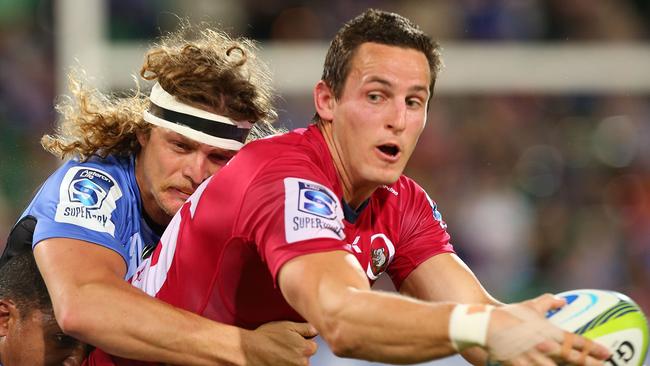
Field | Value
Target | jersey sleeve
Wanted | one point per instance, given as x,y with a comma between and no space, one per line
423,233
82,201
293,211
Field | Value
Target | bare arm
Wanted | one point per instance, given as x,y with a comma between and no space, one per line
445,277
94,304
331,291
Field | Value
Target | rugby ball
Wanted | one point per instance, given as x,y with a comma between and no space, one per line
609,318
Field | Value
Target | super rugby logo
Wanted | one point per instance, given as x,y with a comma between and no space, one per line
311,211
87,193
89,187
87,197
317,201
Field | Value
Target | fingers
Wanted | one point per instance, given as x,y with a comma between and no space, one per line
540,359
311,349
304,329
567,345
591,348
574,350
577,350
547,302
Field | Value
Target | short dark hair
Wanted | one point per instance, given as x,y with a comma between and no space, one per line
21,282
379,27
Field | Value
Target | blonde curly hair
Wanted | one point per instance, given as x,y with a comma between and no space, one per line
213,71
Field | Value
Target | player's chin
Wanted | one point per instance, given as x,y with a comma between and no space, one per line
171,205
386,176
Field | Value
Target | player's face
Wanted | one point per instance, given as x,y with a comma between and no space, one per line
36,339
170,167
381,112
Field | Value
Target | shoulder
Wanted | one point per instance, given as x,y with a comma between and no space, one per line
272,146
86,200
92,180
79,188
287,154
95,167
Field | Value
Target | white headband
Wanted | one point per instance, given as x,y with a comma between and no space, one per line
198,124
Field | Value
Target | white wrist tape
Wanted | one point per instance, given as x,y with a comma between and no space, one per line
468,325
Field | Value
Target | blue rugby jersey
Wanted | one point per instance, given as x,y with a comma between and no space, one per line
97,201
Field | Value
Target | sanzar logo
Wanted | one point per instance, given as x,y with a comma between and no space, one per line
87,198
316,201
87,193
311,211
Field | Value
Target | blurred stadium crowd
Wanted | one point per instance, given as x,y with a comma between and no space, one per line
541,192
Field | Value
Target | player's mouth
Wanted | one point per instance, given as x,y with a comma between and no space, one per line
388,152
181,193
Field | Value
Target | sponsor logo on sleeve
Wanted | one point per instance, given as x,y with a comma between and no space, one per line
311,211
87,198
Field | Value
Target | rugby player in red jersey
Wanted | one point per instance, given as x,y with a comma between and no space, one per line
297,227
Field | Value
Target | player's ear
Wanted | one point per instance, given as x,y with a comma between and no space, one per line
324,101
143,136
7,311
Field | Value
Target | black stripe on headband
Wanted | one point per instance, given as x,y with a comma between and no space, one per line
212,128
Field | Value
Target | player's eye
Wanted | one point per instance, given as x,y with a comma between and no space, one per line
414,102
219,158
180,146
374,97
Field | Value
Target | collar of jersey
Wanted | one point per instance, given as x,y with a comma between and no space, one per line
351,215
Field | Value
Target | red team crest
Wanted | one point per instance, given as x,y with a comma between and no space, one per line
382,252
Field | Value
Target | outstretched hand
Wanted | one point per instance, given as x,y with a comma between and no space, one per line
519,334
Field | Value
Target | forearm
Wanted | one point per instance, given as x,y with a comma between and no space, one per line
93,303
134,325
331,291
446,278
384,327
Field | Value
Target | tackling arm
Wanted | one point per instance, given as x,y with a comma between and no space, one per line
93,303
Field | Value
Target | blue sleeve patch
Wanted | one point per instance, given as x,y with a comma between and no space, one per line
87,198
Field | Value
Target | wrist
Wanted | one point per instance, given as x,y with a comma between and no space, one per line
468,325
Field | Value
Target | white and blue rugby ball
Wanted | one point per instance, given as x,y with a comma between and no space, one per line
609,318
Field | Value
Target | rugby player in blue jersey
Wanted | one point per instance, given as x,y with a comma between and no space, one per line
132,163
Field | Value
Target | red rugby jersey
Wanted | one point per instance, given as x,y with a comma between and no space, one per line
280,198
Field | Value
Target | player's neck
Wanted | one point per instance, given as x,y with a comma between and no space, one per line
354,193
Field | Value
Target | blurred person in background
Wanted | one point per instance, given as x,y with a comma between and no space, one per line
29,334
307,221
133,163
